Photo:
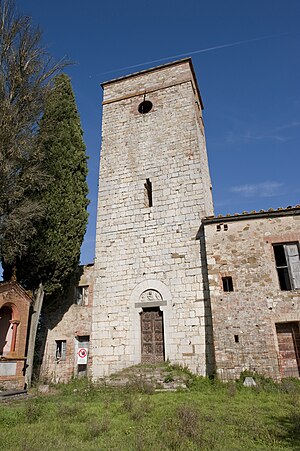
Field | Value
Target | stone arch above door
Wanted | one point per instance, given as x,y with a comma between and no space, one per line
150,293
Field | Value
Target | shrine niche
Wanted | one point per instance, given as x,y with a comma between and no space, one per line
14,314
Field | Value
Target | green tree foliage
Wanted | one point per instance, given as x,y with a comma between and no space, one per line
54,253
26,70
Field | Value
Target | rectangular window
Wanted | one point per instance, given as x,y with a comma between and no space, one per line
287,265
81,295
227,283
148,193
61,350
83,341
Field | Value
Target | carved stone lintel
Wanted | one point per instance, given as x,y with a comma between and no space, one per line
150,296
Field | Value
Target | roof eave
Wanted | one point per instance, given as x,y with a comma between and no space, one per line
293,211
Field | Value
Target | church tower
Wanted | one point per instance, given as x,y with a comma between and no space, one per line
154,189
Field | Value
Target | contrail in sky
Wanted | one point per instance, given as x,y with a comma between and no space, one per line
208,49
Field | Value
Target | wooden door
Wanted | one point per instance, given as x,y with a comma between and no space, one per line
288,336
152,335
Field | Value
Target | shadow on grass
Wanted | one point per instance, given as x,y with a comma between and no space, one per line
290,425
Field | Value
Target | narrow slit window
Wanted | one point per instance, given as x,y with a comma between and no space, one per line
236,339
148,193
227,283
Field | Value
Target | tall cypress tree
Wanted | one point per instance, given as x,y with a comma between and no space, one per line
55,250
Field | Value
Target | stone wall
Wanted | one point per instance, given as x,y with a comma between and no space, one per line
142,249
66,321
244,320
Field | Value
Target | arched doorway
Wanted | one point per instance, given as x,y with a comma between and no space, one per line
6,329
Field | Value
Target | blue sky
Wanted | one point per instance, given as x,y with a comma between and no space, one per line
251,91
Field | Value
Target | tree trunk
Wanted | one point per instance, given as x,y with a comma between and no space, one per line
37,307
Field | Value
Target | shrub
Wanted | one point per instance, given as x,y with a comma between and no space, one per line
128,403
168,378
231,388
141,386
188,420
32,411
96,427
68,410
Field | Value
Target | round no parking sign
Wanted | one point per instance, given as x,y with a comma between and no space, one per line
82,356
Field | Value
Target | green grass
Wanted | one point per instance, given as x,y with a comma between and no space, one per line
209,416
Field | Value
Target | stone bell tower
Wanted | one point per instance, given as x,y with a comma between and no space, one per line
154,189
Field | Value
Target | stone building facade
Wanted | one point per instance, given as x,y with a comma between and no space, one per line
170,280
154,189
254,281
64,344
14,314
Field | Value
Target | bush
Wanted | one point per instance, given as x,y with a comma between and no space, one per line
32,411
96,427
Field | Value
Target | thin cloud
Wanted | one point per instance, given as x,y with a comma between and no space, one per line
219,204
263,189
294,124
248,137
271,136
278,134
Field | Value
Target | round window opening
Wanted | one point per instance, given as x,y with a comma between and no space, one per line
145,107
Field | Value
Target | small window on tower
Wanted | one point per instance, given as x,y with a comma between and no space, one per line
227,283
148,193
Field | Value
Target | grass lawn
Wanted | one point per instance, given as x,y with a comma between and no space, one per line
208,416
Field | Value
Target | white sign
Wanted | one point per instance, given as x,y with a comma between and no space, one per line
82,356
